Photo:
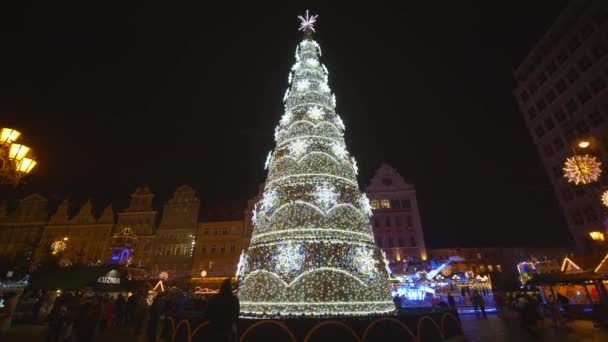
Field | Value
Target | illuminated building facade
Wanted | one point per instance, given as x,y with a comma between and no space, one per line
174,240
561,92
396,220
141,217
21,229
80,239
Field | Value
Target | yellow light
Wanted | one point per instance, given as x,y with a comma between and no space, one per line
8,135
583,144
26,165
65,238
597,236
18,151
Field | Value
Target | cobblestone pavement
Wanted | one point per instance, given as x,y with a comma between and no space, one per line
495,329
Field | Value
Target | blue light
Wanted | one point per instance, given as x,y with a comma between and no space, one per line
114,257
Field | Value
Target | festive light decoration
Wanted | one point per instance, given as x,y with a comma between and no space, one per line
312,250
307,22
58,246
163,275
355,167
268,159
582,169
605,198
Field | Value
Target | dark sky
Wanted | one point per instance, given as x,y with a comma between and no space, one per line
116,97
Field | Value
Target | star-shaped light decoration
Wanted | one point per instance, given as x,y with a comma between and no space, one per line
583,169
326,196
307,22
298,148
315,113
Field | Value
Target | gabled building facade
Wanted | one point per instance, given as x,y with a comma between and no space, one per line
21,229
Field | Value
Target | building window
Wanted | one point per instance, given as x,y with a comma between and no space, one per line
401,242
224,231
597,85
571,106
584,95
406,203
490,269
596,118
412,242
387,222
532,113
215,230
222,249
540,132
206,231
375,204
376,222
385,204
572,75
395,204
232,248
397,221
558,143
550,96
212,249
557,171
584,63
390,242
559,115
548,150
409,221
560,86
590,214
498,268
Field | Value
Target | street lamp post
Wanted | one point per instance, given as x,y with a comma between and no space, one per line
15,159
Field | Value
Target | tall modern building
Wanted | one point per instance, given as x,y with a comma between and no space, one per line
396,220
561,91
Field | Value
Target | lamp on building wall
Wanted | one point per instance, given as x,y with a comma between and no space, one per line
15,163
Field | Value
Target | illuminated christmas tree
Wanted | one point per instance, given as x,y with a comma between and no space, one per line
312,249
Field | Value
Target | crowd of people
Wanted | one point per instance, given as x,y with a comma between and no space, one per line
82,316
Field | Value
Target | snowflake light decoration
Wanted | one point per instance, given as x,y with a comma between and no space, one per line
298,148
355,167
268,159
289,258
365,205
242,265
324,87
58,246
254,214
315,113
286,118
339,150
326,196
307,22
386,263
163,275
339,122
365,262
269,199
286,95
311,62
605,198
582,169
302,85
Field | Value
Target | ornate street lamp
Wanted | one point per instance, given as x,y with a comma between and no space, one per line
14,160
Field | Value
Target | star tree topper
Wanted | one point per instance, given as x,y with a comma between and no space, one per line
307,22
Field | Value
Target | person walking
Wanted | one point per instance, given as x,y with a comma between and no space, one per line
479,304
223,312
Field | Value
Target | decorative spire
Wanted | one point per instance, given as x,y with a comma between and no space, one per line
307,23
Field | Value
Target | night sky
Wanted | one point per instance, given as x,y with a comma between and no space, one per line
115,97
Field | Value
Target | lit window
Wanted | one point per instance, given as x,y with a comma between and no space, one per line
498,268
490,269
212,249
385,204
375,204
409,220
222,249
232,248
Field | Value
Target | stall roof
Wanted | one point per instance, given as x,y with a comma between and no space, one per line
560,278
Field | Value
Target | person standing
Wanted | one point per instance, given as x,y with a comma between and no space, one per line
223,312
157,312
140,312
120,310
451,302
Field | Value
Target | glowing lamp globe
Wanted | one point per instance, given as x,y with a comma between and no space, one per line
582,169
26,165
8,135
203,273
583,144
18,151
605,198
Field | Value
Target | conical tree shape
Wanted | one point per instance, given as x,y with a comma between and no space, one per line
312,249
